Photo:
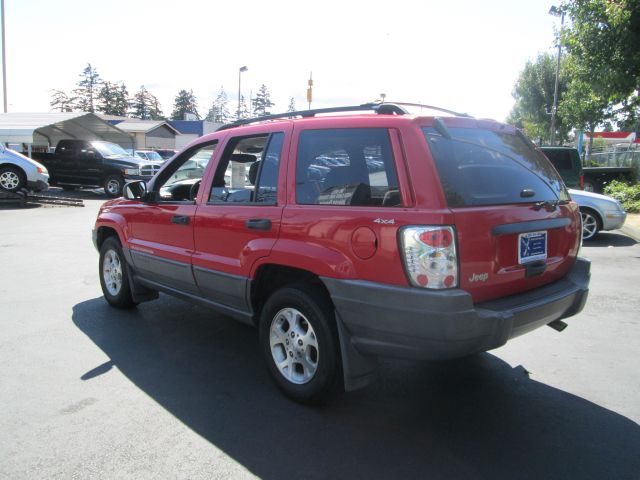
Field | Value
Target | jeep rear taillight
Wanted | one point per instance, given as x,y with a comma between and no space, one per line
429,254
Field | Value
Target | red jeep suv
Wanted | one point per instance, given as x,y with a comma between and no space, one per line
350,233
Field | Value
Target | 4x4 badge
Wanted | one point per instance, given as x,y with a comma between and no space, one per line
384,221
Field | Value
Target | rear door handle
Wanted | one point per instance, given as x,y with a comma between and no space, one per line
258,224
180,219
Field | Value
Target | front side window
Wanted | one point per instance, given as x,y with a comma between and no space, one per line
352,166
248,171
183,183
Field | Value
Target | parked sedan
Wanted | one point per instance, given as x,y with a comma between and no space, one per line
18,171
599,212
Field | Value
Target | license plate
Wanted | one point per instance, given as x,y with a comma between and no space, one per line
532,246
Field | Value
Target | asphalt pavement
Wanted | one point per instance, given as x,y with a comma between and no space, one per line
171,390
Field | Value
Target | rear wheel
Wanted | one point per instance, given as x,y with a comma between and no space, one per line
12,179
113,185
300,343
591,223
114,279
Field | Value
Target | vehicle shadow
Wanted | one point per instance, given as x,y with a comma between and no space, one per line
473,418
610,239
79,193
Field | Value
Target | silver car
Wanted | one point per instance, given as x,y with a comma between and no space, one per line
18,171
599,212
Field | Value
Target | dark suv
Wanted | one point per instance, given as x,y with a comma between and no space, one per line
347,237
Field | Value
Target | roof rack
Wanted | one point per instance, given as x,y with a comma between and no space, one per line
381,108
431,107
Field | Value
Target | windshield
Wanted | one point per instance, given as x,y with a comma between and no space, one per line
108,149
483,167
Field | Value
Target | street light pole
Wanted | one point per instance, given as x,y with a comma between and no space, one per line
242,69
555,11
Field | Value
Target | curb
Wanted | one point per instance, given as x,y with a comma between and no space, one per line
630,231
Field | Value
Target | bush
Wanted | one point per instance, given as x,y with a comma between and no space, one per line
627,194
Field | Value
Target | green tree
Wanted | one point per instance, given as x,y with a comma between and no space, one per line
88,88
219,111
262,102
122,101
185,102
582,105
113,99
146,106
604,36
61,101
533,94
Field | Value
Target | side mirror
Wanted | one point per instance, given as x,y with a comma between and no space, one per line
136,190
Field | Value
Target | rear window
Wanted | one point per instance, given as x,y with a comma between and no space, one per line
483,167
561,159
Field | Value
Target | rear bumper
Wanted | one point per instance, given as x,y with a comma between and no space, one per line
404,322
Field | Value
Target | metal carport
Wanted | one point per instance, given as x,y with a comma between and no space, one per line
46,129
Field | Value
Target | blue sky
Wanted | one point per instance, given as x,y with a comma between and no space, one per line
464,55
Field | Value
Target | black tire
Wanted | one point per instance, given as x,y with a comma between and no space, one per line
114,278
591,223
12,179
113,185
317,320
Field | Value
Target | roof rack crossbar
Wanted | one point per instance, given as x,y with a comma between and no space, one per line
381,108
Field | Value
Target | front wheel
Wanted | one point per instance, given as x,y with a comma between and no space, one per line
300,343
11,179
114,279
591,224
113,186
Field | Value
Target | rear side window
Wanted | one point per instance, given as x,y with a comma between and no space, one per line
346,167
483,167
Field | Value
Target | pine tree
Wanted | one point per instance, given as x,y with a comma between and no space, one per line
122,101
244,110
219,111
61,101
88,88
155,110
146,106
292,105
107,98
185,103
262,103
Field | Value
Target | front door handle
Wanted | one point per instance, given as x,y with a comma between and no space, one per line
180,219
258,224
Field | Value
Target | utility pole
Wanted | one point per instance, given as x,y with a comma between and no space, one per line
310,90
552,137
4,62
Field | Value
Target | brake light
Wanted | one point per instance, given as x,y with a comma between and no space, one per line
42,170
581,182
429,255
